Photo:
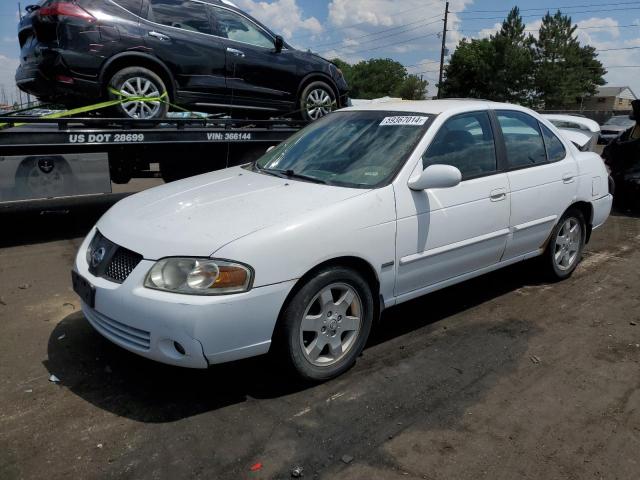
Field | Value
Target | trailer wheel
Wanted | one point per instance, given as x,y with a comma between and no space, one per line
44,177
138,82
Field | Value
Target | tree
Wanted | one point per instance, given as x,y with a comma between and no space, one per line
565,70
412,87
373,78
498,68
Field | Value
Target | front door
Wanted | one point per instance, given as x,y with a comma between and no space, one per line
446,233
543,179
179,32
259,77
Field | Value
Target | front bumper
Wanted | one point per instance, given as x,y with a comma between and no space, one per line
182,330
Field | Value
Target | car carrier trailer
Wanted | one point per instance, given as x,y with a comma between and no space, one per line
66,157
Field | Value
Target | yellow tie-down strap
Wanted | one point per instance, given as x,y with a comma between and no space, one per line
99,106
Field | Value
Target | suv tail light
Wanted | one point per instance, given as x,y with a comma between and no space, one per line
65,9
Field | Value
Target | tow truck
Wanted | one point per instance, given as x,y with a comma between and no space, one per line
76,158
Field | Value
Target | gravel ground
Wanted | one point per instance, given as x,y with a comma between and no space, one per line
502,377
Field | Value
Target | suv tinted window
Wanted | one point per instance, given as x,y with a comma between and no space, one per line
134,6
522,137
555,148
183,14
466,142
233,26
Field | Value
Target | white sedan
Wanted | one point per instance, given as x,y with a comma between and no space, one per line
367,208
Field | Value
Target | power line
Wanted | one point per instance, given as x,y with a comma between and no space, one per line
552,7
344,27
569,13
391,45
383,31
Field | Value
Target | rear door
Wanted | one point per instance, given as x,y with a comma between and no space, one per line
542,177
180,34
257,75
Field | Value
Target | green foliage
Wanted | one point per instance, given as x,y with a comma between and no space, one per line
381,77
565,70
551,71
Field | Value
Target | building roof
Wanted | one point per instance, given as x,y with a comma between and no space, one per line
613,92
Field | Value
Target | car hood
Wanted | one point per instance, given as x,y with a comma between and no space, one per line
199,215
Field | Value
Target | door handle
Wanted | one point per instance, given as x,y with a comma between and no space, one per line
498,195
568,177
235,52
159,36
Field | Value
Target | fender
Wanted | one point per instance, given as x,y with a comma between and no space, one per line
144,56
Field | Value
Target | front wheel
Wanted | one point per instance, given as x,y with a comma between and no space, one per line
566,244
316,101
326,324
138,83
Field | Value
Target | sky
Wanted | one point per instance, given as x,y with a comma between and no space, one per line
409,31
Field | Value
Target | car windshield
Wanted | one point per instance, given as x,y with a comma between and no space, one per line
352,149
620,121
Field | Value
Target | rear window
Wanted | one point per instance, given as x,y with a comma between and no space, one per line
183,14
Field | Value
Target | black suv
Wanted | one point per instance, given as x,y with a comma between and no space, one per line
207,55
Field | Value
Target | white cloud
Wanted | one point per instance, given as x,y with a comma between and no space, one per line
7,78
358,18
283,16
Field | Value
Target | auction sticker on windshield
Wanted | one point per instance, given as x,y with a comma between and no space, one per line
414,120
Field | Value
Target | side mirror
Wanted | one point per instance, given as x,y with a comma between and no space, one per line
279,43
436,176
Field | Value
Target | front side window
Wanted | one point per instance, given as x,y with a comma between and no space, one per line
183,14
351,149
522,138
465,142
555,148
235,27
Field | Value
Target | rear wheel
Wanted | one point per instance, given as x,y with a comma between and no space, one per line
138,82
325,325
566,245
316,101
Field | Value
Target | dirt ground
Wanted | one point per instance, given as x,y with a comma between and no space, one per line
503,377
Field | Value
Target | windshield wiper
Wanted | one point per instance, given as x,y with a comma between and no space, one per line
292,174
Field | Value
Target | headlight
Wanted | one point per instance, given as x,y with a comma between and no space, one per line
199,276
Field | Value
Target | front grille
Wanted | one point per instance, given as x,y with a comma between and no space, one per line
119,332
122,264
113,262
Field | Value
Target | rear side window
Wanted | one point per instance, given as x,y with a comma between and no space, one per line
235,27
555,148
523,140
183,14
134,6
465,142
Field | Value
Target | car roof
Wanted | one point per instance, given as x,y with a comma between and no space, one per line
434,107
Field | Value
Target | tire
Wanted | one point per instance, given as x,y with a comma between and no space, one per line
44,177
316,100
564,251
138,81
339,329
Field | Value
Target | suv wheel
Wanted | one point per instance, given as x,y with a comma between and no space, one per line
317,100
138,82
326,324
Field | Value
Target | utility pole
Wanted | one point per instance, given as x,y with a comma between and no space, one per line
20,10
444,47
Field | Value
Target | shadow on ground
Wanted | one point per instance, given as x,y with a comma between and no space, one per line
127,385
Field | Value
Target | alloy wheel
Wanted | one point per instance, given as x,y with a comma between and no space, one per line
331,324
567,244
140,87
319,103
